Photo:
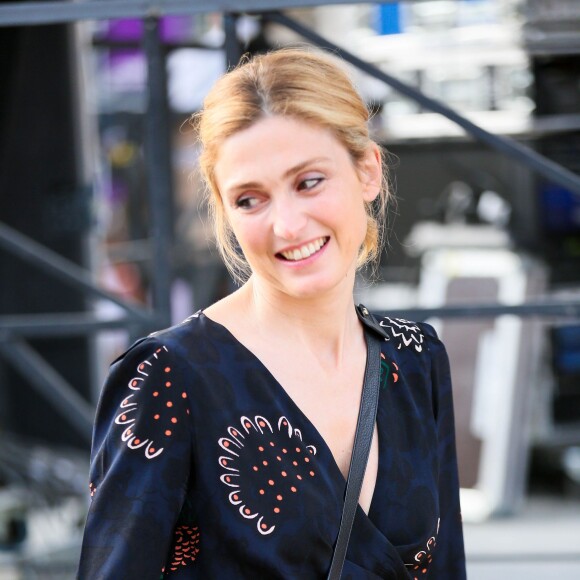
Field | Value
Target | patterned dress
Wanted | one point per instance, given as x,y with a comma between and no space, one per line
203,467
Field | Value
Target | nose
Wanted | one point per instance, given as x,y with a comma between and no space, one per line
289,219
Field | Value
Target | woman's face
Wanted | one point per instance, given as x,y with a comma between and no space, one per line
295,202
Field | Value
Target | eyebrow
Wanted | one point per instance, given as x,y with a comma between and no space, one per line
288,173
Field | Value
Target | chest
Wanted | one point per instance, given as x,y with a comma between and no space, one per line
331,402
284,436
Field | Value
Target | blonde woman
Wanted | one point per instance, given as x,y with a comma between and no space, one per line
222,445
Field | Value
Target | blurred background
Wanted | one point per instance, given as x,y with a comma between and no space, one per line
104,235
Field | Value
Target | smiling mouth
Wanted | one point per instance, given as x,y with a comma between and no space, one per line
305,251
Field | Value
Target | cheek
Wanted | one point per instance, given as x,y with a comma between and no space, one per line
358,223
350,216
251,237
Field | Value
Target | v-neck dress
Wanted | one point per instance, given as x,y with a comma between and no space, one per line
203,467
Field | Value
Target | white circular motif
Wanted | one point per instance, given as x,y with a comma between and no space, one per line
129,415
284,465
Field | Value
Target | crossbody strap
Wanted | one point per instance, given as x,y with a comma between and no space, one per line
360,452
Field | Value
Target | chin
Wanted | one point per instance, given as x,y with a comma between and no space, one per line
308,289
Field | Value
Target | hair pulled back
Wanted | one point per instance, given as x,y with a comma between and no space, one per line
297,83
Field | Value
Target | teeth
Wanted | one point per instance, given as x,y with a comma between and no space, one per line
304,251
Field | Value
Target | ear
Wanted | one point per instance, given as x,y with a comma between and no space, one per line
370,170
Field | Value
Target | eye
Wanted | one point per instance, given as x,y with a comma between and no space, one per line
309,183
246,202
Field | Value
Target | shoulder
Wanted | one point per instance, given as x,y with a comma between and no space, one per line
193,339
418,340
407,334
417,350
400,333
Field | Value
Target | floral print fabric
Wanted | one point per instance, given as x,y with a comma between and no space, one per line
204,467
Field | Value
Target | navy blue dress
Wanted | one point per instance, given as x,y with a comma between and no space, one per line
204,467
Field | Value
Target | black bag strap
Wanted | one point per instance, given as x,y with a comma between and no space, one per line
362,444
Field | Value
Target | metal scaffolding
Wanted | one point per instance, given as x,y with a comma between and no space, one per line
17,328
64,11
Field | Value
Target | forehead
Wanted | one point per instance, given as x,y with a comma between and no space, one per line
272,145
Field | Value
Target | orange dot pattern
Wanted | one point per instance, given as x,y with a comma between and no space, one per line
423,558
185,547
152,407
265,477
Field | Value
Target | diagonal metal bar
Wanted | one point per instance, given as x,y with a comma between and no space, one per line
50,384
51,262
568,309
542,165
64,324
27,13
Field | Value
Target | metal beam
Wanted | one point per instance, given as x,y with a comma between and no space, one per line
50,384
29,13
540,164
45,259
74,324
66,324
158,170
233,47
544,308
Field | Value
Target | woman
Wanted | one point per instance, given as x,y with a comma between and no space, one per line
222,445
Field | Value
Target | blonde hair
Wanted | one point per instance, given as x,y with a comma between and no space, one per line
297,83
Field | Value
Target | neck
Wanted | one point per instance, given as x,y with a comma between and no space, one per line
327,325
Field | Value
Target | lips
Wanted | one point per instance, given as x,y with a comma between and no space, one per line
304,251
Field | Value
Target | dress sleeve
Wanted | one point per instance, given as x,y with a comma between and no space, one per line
449,557
140,466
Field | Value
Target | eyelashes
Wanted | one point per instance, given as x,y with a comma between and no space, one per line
250,201
309,183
